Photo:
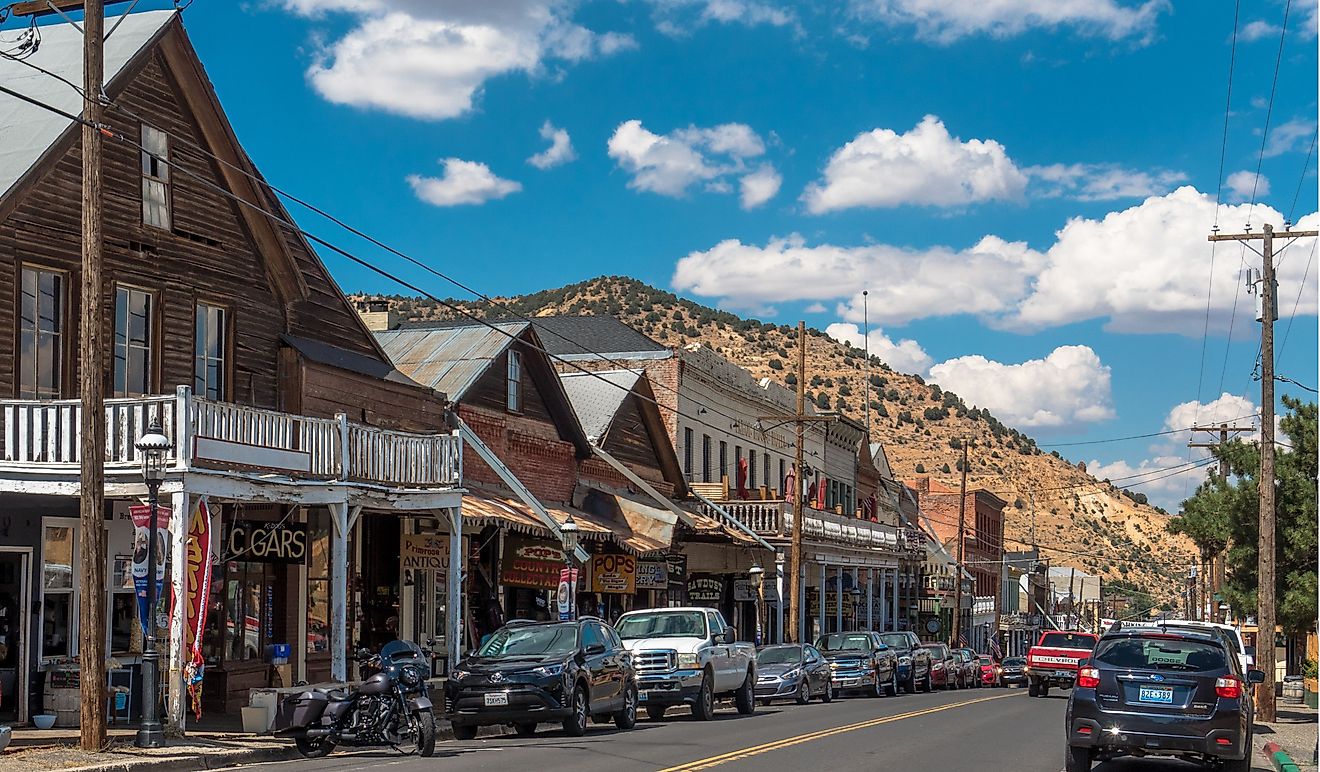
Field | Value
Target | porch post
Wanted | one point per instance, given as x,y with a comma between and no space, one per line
339,517
779,593
838,599
176,714
893,601
870,599
454,588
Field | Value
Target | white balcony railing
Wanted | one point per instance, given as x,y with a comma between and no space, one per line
774,520
47,434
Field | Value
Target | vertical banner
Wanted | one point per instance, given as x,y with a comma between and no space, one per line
199,593
566,598
141,515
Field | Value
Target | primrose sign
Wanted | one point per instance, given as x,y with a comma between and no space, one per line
266,542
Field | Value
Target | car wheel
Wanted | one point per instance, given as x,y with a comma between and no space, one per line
1033,689
892,688
1077,759
765,703
877,688
1044,689
464,731
704,709
524,729
745,698
803,695
828,694
927,685
576,724
627,718
1239,765
655,712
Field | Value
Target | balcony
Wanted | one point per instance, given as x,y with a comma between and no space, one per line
773,520
46,436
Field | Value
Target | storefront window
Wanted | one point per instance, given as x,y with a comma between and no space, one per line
246,611
318,586
57,607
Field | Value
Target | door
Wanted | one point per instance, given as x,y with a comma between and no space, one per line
720,653
597,665
817,670
15,627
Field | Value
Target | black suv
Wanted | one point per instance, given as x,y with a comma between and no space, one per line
860,661
1157,692
539,672
913,660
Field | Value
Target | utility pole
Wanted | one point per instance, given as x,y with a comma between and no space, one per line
91,374
1265,704
962,538
801,419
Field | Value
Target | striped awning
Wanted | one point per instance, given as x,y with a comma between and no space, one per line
483,507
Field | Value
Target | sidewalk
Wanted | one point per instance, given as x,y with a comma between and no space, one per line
1295,732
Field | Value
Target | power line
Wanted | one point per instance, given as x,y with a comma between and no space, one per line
1306,168
1269,110
1131,437
1300,291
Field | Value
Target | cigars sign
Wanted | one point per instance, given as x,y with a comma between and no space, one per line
528,563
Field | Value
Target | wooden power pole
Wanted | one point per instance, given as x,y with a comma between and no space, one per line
962,538
1265,704
91,380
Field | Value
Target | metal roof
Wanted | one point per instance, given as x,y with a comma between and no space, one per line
597,397
576,336
449,360
29,130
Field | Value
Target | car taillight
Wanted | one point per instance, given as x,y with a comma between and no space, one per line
1088,678
1228,687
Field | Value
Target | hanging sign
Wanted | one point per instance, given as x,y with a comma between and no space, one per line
614,574
652,575
141,515
567,593
198,591
259,542
528,563
705,591
427,552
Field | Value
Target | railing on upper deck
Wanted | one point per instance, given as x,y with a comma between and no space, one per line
774,520
48,434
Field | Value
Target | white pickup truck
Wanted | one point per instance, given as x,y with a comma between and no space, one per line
688,656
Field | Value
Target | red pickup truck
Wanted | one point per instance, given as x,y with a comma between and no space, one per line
1053,661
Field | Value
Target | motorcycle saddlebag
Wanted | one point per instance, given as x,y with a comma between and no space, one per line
300,711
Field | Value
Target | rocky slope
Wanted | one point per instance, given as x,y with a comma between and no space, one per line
1078,520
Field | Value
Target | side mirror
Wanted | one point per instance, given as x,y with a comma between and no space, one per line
730,635
594,649
1255,676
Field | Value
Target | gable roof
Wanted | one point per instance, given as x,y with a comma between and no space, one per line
449,359
31,131
596,400
590,336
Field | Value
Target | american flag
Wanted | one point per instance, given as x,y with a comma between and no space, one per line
993,642
962,640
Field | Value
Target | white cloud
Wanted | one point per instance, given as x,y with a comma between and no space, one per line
905,356
1226,409
1146,269
905,284
1100,182
1067,388
559,152
1289,136
676,17
924,166
670,164
430,60
463,182
759,186
1258,30
1247,186
1164,479
945,21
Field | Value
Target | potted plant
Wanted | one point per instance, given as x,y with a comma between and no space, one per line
1309,679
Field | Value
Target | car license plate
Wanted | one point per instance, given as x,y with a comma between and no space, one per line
643,696
850,682
1158,696
497,699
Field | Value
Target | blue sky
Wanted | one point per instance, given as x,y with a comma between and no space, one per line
774,159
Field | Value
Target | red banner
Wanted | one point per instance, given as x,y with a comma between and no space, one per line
198,593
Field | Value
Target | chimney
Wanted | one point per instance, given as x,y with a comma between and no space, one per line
377,315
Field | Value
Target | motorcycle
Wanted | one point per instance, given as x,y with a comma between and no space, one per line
389,708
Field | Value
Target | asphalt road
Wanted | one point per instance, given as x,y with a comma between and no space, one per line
979,729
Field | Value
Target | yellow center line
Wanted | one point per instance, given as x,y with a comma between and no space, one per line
788,742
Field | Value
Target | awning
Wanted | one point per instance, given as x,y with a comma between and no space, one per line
644,527
482,507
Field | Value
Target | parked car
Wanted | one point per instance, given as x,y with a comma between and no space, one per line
688,656
971,669
792,671
1228,633
529,673
1013,671
1161,692
861,662
944,665
987,670
913,660
1053,661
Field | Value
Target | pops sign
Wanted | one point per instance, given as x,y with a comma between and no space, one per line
614,574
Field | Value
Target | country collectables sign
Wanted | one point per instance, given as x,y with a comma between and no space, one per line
528,563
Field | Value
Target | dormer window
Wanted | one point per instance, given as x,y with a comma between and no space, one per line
155,178
513,395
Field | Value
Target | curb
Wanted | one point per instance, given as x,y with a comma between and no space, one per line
1280,759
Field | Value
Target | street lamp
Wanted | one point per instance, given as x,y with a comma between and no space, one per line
757,576
569,535
152,446
856,601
